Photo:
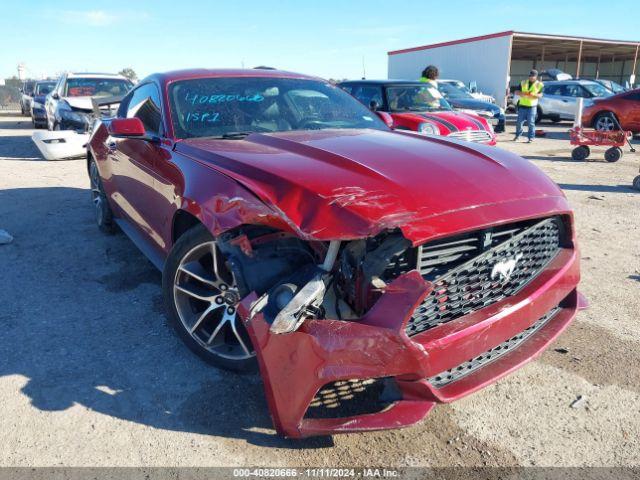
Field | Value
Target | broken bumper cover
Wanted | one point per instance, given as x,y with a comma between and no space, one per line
297,365
61,145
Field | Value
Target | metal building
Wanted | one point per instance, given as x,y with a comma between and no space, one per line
500,60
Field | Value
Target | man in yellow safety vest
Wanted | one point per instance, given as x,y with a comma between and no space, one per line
530,92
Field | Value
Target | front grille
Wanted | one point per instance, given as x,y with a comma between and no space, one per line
449,376
465,279
471,135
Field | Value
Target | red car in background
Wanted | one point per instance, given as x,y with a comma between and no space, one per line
415,106
623,107
369,273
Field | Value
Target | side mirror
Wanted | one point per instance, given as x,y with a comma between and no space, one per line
373,105
126,127
55,96
386,118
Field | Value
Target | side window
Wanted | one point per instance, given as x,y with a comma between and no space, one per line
551,90
144,104
366,94
573,91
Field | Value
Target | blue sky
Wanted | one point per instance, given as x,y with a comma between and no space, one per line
329,38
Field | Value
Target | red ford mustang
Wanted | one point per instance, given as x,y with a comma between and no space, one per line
369,273
414,106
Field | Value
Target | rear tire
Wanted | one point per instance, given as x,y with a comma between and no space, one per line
636,183
613,154
201,302
580,153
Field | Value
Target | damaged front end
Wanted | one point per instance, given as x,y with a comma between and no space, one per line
371,333
75,127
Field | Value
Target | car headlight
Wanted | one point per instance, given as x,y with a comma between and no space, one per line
428,128
72,116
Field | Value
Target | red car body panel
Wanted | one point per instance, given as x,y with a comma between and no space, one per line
625,106
447,122
344,185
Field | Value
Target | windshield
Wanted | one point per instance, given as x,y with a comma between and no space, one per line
416,98
597,90
213,107
614,87
44,88
452,92
97,87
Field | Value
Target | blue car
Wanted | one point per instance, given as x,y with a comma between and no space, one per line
462,100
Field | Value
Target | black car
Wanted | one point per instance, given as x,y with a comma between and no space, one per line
461,100
40,92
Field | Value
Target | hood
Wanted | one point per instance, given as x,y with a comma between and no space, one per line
447,121
40,99
345,184
473,104
80,103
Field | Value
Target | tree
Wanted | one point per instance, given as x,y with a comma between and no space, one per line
129,73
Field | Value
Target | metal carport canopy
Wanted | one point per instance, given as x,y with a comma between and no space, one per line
561,48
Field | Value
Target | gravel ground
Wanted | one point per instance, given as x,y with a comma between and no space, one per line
90,374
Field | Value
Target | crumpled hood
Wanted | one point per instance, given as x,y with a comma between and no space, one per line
80,103
344,184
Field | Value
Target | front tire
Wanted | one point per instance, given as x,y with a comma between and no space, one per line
201,298
636,183
102,210
605,122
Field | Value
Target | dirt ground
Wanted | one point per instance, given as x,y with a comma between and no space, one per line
90,373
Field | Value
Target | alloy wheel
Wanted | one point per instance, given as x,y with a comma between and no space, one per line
605,123
206,296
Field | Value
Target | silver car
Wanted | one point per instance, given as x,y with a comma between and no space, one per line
560,98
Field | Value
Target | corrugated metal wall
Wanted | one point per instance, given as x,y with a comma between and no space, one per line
484,61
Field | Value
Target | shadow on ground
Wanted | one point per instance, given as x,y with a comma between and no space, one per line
598,188
83,322
19,148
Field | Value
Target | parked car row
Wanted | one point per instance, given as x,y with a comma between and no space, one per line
414,106
603,110
370,273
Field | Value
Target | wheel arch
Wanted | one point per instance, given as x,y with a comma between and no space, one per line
183,221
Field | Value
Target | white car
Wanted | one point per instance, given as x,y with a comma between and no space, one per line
471,91
560,98
69,107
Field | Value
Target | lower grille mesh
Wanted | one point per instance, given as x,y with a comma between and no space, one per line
449,376
348,398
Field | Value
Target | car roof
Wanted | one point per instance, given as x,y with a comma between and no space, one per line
383,82
579,81
94,75
195,73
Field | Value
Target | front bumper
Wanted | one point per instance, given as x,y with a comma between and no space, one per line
296,366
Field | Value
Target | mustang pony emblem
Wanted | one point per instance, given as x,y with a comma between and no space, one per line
505,268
